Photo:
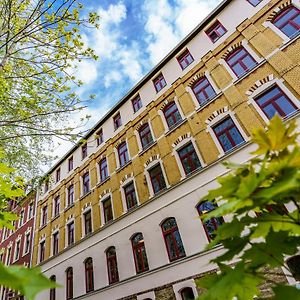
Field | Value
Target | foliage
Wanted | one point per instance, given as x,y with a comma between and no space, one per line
40,45
261,233
27,281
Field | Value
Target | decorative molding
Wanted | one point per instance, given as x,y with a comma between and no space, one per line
120,141
86,205
105,192
259,83
196,78
151,159
143,122
278,10
215,114
181,138
165,103
69,218
55,228
126,176
42,237
231,49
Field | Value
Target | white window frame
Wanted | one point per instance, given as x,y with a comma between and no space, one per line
268,24
178,287
211,82
163,118
27,234
117,154
8,257
53,206
41,219
67,194
138,138
122,186
22,220
67,233
263,88
18,240
31,204
245,45
98,169
148,179
150,295
102,199
84,211
181,145
216,120
51,246
81,184
39,249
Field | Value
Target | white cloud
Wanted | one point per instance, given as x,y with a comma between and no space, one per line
86,71
111,77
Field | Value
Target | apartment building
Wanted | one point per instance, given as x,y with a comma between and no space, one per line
16,244
118,216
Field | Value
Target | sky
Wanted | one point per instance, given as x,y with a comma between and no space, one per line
134,36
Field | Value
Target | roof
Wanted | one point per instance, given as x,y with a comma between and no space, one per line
146,78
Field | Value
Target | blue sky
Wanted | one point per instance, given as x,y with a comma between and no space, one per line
133,37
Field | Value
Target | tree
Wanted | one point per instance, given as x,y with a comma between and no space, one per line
262,233
28,282
40,45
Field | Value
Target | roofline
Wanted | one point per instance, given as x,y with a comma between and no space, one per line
146,78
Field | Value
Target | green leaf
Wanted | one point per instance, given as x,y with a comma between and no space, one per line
283,292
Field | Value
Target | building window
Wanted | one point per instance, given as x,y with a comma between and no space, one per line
139,253
123,154
99,138
159,82
189,158
216,31
44,215
203,91
70,195
254,2
240,61
112,265
288,21
70,163
117,121
53,290
89,275
103,169
136,103
227,134
70,232
69,283
87,222
273,101
185,59
84,152
42,250
55,241
107,210
17,249
57,176
187,294
46,186
130,195
294,265
211,225
30,210
56,205
85,183
157,179
22,218
172,114
8,256
27,243
172,239
145,136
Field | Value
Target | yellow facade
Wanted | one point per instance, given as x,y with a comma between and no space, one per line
282,62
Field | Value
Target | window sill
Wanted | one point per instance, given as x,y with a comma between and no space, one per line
85,195
150,145
69,207
55,217
290,41
191,173
123,167
206,103
175,126
43,226
102,182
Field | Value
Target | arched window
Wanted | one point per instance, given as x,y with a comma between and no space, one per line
172,239
139,253
112,265
187,294
89,275
240,61
53,291
69,283
212,224
294,266
288,21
